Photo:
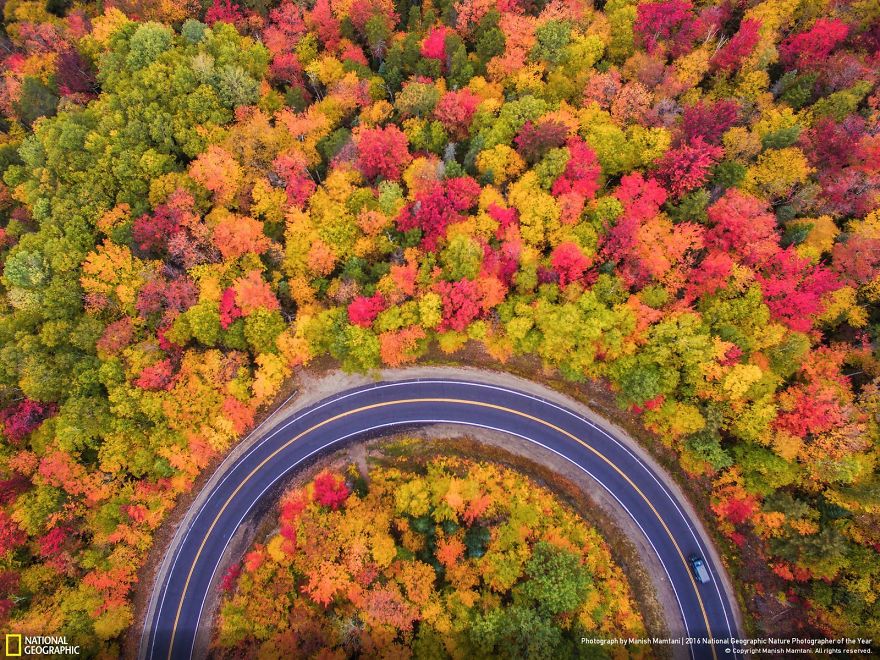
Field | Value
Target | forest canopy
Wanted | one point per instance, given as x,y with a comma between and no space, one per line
678,200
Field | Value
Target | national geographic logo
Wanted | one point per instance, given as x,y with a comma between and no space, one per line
19,645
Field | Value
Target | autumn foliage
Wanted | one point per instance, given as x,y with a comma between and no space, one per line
678,200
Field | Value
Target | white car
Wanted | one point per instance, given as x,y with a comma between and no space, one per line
698,566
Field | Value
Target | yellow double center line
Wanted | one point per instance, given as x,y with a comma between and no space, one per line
398,402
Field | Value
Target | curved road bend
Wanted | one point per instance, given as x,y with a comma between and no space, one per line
179,598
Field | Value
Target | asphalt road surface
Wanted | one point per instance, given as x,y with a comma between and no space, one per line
181,594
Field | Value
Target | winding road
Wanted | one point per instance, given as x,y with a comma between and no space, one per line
179,597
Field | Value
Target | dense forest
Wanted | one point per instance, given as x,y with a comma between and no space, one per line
459,559
679,200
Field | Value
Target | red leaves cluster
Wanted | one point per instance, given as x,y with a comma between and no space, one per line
116,336
229,311
330,490
230,577
810,49
286,68
382,152
831,145
736,510
437,207
158,376
284,29
11,535
252,292
812,408
73,75
641,199
224,11
740,46
507,220
743,227
240,414
324,23
582,172
708,121
434,45
151,233
535,140
52,542
710,276
11,488
19,420
363,310
793,289
298,182
847,158
455,110
8,585
687,167
569,262
461,303
382,10
857,260
667,22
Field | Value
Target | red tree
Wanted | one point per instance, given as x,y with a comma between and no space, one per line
793,289
151,233
810,49
229,311
535,140
52,542
461,303
436,208
230,577
687,167
293,170
322,21
455,110
582,172
73,75
710,276
19,420
11,535
158,376
224,11
743,226
857,260
116,336
363,311
668,22
569,262
382,152
740,46
641,198
708,121
434,45
330,490
285,28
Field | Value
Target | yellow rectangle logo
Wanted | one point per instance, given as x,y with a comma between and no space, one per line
13,645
